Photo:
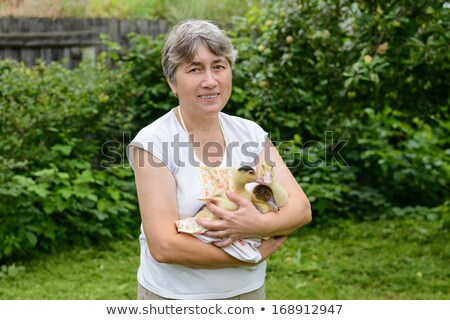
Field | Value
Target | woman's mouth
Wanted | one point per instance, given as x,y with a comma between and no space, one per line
209,96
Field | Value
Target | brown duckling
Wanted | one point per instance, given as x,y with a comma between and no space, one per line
266,176
263,199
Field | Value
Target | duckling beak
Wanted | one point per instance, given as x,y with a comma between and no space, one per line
274,204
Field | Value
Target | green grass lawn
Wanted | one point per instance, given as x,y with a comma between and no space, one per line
405,259
374,260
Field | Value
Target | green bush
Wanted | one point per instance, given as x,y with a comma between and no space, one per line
372,74
151,96
53,188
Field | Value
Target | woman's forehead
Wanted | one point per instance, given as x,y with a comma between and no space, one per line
202,54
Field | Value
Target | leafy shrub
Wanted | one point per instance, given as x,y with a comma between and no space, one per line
151,96
54,192
405,157
372,74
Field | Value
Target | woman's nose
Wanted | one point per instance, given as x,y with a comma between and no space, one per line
209,81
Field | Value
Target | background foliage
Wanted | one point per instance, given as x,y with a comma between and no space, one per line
373,74
170,10
355,95
53,187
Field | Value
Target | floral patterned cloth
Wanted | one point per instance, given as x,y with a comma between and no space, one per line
189,225
215,180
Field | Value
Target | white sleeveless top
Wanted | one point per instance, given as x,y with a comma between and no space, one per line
166,139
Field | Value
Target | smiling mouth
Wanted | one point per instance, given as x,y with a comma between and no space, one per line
209,96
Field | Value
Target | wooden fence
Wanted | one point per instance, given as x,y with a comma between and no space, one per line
29,39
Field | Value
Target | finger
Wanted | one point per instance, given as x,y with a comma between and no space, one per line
240,201
215,234
225,242
219,212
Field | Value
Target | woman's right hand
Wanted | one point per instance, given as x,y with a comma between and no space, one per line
270,246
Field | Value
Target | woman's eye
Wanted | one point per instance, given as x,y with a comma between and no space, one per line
218,67
193,70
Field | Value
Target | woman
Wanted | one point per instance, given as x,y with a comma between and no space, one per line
169,158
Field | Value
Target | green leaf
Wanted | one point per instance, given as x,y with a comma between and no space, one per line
100,215
49,207
348,82
65,192
40,190
103,204
44,172
92,197
32,239
63,149
416,42
63,175
23,180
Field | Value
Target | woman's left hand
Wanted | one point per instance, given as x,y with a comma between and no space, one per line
245,222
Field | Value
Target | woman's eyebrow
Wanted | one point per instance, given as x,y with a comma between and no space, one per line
219,60
198,63
193,63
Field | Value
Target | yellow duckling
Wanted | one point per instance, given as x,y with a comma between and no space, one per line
266,176
221,200
242,176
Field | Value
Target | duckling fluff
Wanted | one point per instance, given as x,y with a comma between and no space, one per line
262,198
266,176
242,176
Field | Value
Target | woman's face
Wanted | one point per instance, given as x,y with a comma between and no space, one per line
203,85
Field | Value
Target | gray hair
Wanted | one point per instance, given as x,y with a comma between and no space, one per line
183,41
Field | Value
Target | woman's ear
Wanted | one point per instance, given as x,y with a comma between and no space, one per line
173,87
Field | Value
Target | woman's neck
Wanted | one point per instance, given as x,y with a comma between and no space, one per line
207,136
198,125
